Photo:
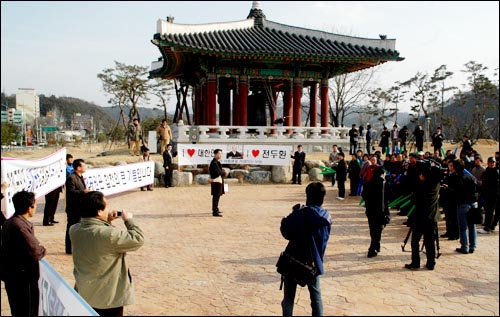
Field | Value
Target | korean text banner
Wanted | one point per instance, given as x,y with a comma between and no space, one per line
38,176
194,154
57,297
116,179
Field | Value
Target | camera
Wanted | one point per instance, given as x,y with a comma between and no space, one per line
119,213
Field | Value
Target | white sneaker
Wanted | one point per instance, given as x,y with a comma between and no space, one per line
340,198
482,231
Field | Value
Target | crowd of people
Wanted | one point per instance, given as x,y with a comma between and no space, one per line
432,184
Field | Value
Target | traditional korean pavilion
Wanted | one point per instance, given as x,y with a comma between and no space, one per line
243,67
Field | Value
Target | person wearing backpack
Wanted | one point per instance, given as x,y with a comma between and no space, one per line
307,228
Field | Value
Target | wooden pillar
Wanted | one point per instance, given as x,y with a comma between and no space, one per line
236,107
287,106
325,113
297,96
203,104
211,100
196,106
313,103
243,100
273,109
224,105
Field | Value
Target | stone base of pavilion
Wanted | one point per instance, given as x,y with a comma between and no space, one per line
313,139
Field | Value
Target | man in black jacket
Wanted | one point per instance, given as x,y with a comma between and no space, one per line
376,207
426,215
298,164
168,164
217,182
353,139
490,191
341,175
75,188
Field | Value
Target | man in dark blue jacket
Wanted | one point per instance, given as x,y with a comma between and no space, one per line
307,228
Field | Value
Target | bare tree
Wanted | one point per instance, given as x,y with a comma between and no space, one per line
484,95
161,88
379,106
127,83
423,96
439,77
347,92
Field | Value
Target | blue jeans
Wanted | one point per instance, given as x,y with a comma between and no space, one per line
467,231
289,296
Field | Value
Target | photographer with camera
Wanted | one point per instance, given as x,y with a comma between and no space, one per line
426,214
102,275
308,229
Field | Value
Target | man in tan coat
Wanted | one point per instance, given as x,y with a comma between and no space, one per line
164,135
135,137
102,275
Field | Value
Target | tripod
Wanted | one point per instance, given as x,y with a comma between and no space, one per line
436,232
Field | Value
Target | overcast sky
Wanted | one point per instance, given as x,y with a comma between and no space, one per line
59,47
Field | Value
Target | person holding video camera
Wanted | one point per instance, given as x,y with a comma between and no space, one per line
426,214
101,271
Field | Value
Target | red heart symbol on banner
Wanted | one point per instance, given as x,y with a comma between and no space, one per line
191,152
255,153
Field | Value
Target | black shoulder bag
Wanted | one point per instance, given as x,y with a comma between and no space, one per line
290,266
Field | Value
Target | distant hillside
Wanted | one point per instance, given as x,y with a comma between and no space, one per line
145,113
67,106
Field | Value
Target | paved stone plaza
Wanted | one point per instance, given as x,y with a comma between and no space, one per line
196,264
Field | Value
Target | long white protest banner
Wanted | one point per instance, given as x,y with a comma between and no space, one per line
117,179
194,154
38,176
57,297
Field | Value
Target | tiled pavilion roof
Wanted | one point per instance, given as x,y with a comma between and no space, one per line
257,38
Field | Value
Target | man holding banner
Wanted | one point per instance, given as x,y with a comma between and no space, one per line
75,188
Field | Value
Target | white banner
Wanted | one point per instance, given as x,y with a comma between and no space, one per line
194,154
57,297
38,176
116,179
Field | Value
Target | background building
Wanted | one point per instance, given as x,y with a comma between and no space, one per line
28,102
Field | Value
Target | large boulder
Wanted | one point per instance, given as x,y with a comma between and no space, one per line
281,174
182,178
239,174
260,177
313,164
315,175
202,179
159,169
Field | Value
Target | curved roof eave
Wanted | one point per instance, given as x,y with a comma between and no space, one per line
165,27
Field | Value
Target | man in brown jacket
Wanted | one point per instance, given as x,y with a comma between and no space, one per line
164,135
21,253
